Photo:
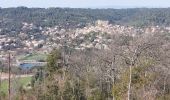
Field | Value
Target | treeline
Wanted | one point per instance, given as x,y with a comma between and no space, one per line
13,17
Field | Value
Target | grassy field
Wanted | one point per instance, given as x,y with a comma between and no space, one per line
34,56
19,81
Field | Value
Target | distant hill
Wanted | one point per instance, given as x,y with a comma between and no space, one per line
11,19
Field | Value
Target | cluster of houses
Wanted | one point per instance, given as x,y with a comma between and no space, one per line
92,36
77,38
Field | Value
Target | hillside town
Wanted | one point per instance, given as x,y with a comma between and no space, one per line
97,36
91,36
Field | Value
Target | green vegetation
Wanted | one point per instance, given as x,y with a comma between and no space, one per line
34,56
139,79
12,18
19,81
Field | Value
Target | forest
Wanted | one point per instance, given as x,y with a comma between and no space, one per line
13,17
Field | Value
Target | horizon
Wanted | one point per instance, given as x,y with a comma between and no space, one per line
100,4
117,7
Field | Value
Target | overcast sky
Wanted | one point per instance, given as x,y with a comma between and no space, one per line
85,3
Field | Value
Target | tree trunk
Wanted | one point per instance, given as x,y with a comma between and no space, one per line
164,89
130,81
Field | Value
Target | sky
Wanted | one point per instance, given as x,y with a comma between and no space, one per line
86,3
